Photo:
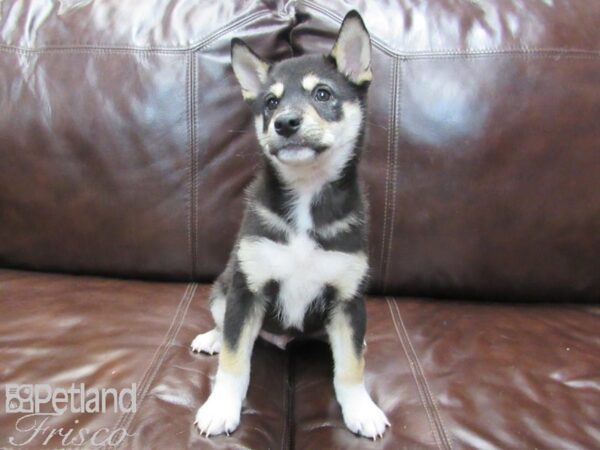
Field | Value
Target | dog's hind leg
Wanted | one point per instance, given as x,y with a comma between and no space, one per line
346,331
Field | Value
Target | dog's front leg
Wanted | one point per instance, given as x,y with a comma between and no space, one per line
243,319
346,331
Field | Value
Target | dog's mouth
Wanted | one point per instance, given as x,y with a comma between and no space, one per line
297,154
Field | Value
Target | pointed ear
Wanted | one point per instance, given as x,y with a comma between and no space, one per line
352,49
249,69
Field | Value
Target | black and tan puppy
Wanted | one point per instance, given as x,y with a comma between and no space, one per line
299,264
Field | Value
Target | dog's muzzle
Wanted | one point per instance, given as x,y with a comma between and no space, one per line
295,154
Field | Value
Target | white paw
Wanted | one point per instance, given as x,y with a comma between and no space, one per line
218,415
361,415
209,342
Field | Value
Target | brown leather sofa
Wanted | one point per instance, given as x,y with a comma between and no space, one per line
125,148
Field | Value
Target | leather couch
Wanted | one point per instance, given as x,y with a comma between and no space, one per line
125,149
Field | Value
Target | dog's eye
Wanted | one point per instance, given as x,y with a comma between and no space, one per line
322,94
271,102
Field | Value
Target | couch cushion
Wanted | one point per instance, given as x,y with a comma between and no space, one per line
463,375
119,121
447,374
59,330
483,161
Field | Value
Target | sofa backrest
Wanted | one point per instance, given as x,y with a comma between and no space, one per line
125,146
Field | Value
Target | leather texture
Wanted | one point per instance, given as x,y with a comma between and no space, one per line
124,134
482,164
448,374
125,146
105,333
125,149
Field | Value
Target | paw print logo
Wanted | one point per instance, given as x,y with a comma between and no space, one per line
19,398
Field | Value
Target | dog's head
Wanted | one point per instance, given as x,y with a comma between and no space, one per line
309,106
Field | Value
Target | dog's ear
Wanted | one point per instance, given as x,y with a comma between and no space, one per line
352,50
249,69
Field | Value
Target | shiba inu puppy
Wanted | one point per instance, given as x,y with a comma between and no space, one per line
299,264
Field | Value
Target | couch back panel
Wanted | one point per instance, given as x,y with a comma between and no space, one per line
125,148
114,117
484,155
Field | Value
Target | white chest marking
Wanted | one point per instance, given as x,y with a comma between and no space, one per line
301,212
302,270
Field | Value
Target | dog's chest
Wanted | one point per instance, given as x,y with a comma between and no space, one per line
300,266
302,270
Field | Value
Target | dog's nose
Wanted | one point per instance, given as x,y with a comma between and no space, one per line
287,124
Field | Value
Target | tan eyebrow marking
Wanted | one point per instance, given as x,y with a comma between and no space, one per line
277,89
247,95
310,81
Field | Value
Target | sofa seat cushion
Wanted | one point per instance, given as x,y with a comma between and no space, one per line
453,375
105,333
448,374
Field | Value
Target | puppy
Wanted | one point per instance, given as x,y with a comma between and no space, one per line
299,264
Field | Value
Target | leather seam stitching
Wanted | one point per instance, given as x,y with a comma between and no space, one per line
391,51
391,127
232,25
194,181
420,387
542,54
286,418
397,119
143,380
432,401
287,435
446,439
190,161
160,354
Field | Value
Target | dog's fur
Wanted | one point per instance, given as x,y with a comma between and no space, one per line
299,264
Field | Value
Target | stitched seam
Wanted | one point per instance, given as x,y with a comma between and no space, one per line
415,375
197,162
233,25
160,354
286,413
387,166
239,22
203,42
178,321
194,163
391,51
442,429
292,402
287,436
391,175
397,119
382,246
190,161
391,127
155,356
550,54
143,380
538,54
